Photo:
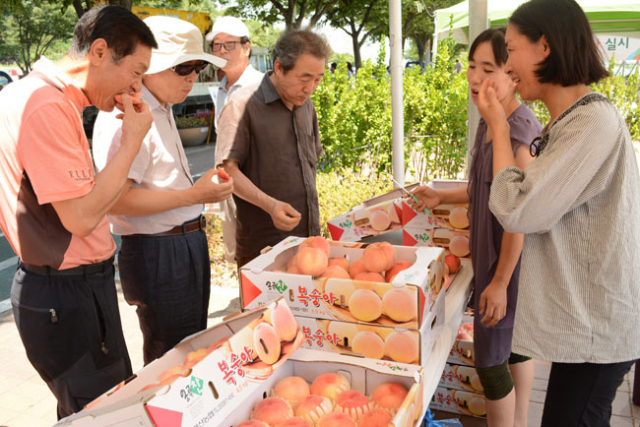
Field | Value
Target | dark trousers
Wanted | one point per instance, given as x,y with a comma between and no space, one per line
168,279
580,394
71,330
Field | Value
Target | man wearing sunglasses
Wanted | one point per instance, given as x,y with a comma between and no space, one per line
164,259
229,40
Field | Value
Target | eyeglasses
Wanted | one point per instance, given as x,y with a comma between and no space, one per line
185,70
216,47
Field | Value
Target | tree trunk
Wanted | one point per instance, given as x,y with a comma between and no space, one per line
357,57
123,3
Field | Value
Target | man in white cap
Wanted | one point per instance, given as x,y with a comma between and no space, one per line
229,39
164,259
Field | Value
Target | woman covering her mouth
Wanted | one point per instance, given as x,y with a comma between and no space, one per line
577,204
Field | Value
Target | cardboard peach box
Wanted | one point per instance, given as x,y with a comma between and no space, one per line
375,342
459,402
239,355
375,216
460,377
455,241
264,279
449,216
364,375
390,211
462,350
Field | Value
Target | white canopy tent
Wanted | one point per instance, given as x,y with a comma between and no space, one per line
605,16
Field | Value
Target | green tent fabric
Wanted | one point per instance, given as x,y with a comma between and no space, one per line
605,16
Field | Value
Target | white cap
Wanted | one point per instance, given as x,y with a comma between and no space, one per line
229,25
178,42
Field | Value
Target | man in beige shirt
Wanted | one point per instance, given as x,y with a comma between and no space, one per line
229,40
268,141
164,259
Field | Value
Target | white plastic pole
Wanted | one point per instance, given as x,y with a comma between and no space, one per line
397,112
478,22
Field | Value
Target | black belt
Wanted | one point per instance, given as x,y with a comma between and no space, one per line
83,270
199,223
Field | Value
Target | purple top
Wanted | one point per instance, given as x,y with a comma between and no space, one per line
492,346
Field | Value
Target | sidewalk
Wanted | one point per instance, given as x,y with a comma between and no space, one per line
25,400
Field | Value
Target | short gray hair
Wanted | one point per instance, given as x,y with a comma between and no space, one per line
294,43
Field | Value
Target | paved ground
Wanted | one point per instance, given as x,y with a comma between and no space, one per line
25,401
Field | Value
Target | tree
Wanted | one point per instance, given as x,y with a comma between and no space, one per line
361,19
30,29
291,12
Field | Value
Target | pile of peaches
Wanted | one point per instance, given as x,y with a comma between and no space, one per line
465,332
327,402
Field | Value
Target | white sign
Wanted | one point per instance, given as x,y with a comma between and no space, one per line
619,47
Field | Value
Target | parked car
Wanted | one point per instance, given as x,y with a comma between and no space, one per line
5,79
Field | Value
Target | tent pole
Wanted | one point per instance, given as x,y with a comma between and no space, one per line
478,22
397,111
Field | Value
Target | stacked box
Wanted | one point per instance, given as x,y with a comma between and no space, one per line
459,390
325,307
459,402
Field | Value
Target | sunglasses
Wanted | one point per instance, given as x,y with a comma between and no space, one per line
185,70
216,47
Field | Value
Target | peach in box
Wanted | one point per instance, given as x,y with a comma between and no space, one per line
329,385
292,389
272,410
317,242
311,261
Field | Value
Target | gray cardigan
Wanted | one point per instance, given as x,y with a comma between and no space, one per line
578,204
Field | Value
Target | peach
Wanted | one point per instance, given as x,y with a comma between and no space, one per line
267,343
453,262
329,385
292,389
357,267
178,369
242,342
194,357
464,335
334,271
400,265
476,384
380,220
389,396
369,344
376,418
294,270
467,326
340,289
459,246
336,419
253,423
402,347
365,305
477,406
313,407
353,403
459,217
344,331
317,242
374,258
340,262
370,277
284,323
294,422
311,261
272,410
400,304
389,253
